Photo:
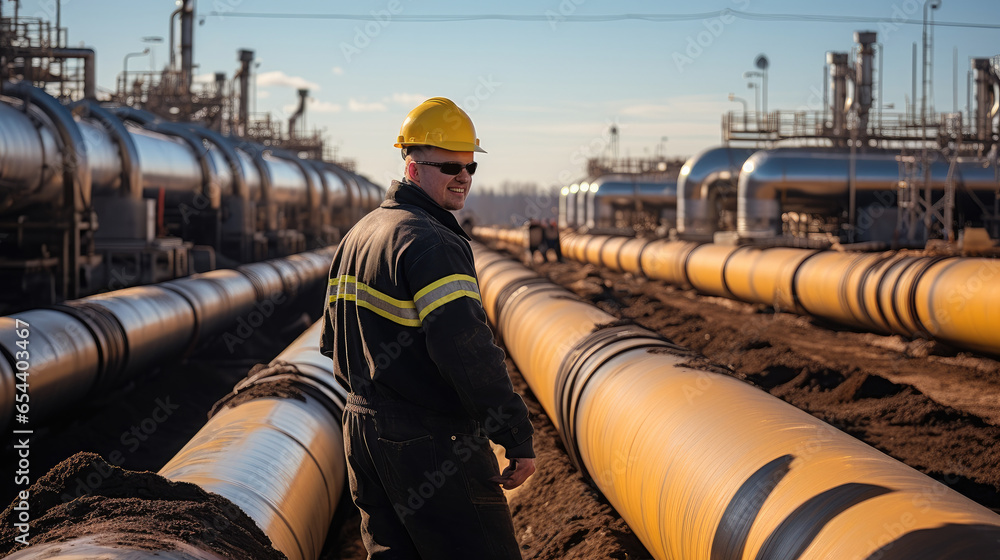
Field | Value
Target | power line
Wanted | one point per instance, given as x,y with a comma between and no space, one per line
552,16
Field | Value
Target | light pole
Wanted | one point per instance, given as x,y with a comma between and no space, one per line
125,67
732,97
762,63
756,101
933,4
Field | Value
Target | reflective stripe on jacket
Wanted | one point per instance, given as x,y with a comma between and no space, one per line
404,319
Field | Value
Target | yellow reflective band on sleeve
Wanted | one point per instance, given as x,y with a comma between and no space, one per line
347,288
442,291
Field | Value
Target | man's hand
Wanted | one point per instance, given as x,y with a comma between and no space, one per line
515,474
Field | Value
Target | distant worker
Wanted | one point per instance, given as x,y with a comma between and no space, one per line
406,329
536,240
550,233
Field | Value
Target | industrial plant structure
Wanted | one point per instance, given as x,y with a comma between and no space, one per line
848,173
165,178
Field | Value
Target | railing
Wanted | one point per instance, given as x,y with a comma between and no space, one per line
883,130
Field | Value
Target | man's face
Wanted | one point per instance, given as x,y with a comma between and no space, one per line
449,191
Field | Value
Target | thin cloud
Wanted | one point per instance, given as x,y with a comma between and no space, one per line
337,71
314,105
408,99
649,110
318,106
279,78
362,107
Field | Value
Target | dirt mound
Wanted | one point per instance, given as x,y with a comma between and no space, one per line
85,495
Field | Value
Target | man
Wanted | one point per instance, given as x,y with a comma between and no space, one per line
407,332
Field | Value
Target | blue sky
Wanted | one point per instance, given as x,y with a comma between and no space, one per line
543,94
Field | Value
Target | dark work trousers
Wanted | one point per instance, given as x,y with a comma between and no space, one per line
422,485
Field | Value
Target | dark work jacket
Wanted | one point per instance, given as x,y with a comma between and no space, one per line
404,320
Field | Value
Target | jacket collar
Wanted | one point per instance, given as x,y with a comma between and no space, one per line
405,192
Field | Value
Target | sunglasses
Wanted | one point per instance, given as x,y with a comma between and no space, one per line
452,167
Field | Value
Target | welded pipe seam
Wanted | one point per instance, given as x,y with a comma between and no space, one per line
265,278
128,153
108,332
76,170
886,290
278,372
638,257
309,173
210,187
228,151
907,309
871,288
65,359
23,157
694,483
587,355
154,321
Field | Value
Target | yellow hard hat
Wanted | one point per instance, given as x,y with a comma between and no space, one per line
439,122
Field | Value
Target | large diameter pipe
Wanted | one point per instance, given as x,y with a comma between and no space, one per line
104,159
706,266
777,180
72,162
64,356
701,465
954,300
764,276
96,546
24,151
706,182
30,159
281,460
89,346
958,301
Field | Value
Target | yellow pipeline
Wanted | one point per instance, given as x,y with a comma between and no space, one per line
955,300
764,276
628,254
666,260
703,466
705,268
823,286
958,301
281,460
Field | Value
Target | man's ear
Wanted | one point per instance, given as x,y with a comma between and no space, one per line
413,171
